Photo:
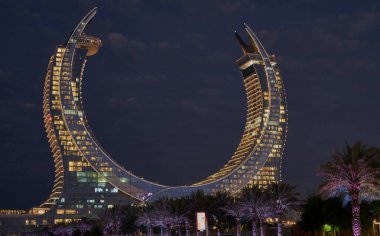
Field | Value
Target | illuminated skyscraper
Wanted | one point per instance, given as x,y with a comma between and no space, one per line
87,179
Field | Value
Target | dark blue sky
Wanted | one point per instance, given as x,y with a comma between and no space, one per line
164,96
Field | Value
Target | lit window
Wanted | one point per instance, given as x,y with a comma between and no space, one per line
71,212
98,190
60,211
114,190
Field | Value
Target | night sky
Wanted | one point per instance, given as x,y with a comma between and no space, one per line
164,96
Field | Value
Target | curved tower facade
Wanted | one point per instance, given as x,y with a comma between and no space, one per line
88,179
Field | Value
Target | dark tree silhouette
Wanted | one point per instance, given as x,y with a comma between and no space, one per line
282,200
236,211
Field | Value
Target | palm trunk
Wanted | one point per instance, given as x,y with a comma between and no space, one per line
179,230
238,224
262,231
356,225
254,228
149,230
187,229
279,227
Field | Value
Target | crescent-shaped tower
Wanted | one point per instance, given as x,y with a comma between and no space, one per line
87,179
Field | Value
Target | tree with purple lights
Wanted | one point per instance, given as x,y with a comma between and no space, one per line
254,202
282,202
354,176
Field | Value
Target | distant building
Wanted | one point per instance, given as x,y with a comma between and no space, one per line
87,179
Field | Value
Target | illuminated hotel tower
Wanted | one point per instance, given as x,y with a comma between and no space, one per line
87,179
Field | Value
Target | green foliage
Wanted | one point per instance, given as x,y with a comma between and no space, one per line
330,228
318,212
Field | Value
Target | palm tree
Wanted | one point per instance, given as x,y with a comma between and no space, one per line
217,201
162,215
62,229
83,226
263,213
147,219
237,211
282,200
178,210
252,199
198,201
177,220
112,220
352,176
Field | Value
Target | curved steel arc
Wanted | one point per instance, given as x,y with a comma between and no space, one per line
255,160
96,157
263,56
233,177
